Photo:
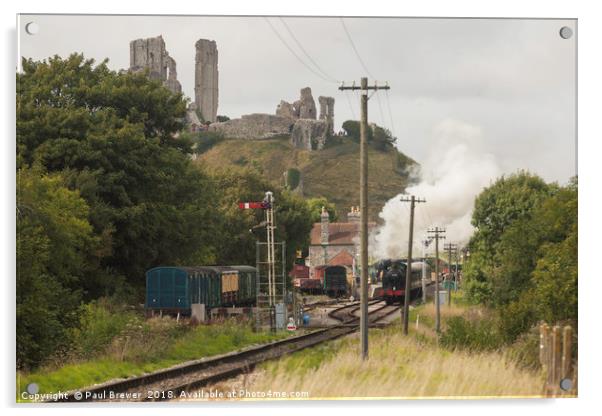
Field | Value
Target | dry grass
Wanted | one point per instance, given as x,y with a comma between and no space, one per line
402,367
399,367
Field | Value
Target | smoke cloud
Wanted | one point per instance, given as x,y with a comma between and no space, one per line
456,171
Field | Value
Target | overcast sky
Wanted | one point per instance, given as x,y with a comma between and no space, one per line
510,83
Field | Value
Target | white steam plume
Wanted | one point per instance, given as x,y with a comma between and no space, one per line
456,171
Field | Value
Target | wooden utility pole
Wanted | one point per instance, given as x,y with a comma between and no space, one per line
408,288
456,274
425,244
437,235
450,247
364,206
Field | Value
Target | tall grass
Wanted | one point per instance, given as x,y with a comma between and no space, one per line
466,360
399,366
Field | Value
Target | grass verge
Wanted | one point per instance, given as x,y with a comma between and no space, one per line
134,355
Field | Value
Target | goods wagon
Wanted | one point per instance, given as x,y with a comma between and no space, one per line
247,285
308,285
175,289
333,278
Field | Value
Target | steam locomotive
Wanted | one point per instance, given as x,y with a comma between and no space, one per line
392,274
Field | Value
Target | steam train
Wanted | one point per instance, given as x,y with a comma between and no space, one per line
392,274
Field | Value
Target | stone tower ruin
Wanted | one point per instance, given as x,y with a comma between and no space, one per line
206,79
150,54
327,111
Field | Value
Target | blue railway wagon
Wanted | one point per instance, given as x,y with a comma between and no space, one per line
174,289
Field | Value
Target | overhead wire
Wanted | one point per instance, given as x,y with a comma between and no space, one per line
359,58
390,114
350,105
365,67
290,32
380,108
291,50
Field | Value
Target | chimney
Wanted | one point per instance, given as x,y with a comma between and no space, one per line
324,218
354,215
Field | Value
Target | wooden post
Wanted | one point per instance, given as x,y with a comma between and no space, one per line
542,343
557,363
408,287
364,206
567,344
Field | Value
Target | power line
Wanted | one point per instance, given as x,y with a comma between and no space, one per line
295,54
350,105
390,113
380,109
359,58
333,80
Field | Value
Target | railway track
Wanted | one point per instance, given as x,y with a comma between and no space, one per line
168,384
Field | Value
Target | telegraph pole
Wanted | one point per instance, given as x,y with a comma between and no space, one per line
425,244
450,247
364,206
437,235
406,297
456,274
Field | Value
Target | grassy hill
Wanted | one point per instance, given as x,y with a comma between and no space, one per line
332,173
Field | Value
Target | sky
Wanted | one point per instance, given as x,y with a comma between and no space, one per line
504,87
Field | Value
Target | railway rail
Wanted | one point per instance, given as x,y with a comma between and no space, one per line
168,384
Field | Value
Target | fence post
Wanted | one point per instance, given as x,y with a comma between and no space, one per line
567,343
542,343
557,358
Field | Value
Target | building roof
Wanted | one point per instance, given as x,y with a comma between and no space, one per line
341,233
344,258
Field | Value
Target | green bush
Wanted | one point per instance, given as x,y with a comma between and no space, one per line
293,177
525,350
205,140
475,335
477,291
98,326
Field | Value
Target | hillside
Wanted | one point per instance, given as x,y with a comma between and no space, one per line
332,173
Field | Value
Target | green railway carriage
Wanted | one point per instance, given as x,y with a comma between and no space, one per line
174,289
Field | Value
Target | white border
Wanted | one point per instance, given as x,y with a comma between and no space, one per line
589,165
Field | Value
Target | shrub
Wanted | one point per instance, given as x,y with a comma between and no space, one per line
475,335
293,177
98,325
205,140
525,350
477,291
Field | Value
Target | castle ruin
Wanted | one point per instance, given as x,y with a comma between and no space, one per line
150,55
299,119
206,79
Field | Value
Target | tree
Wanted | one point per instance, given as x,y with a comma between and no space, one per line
315,207
380,138
237,245
352,128
55,244
501,256
547,289
113,136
